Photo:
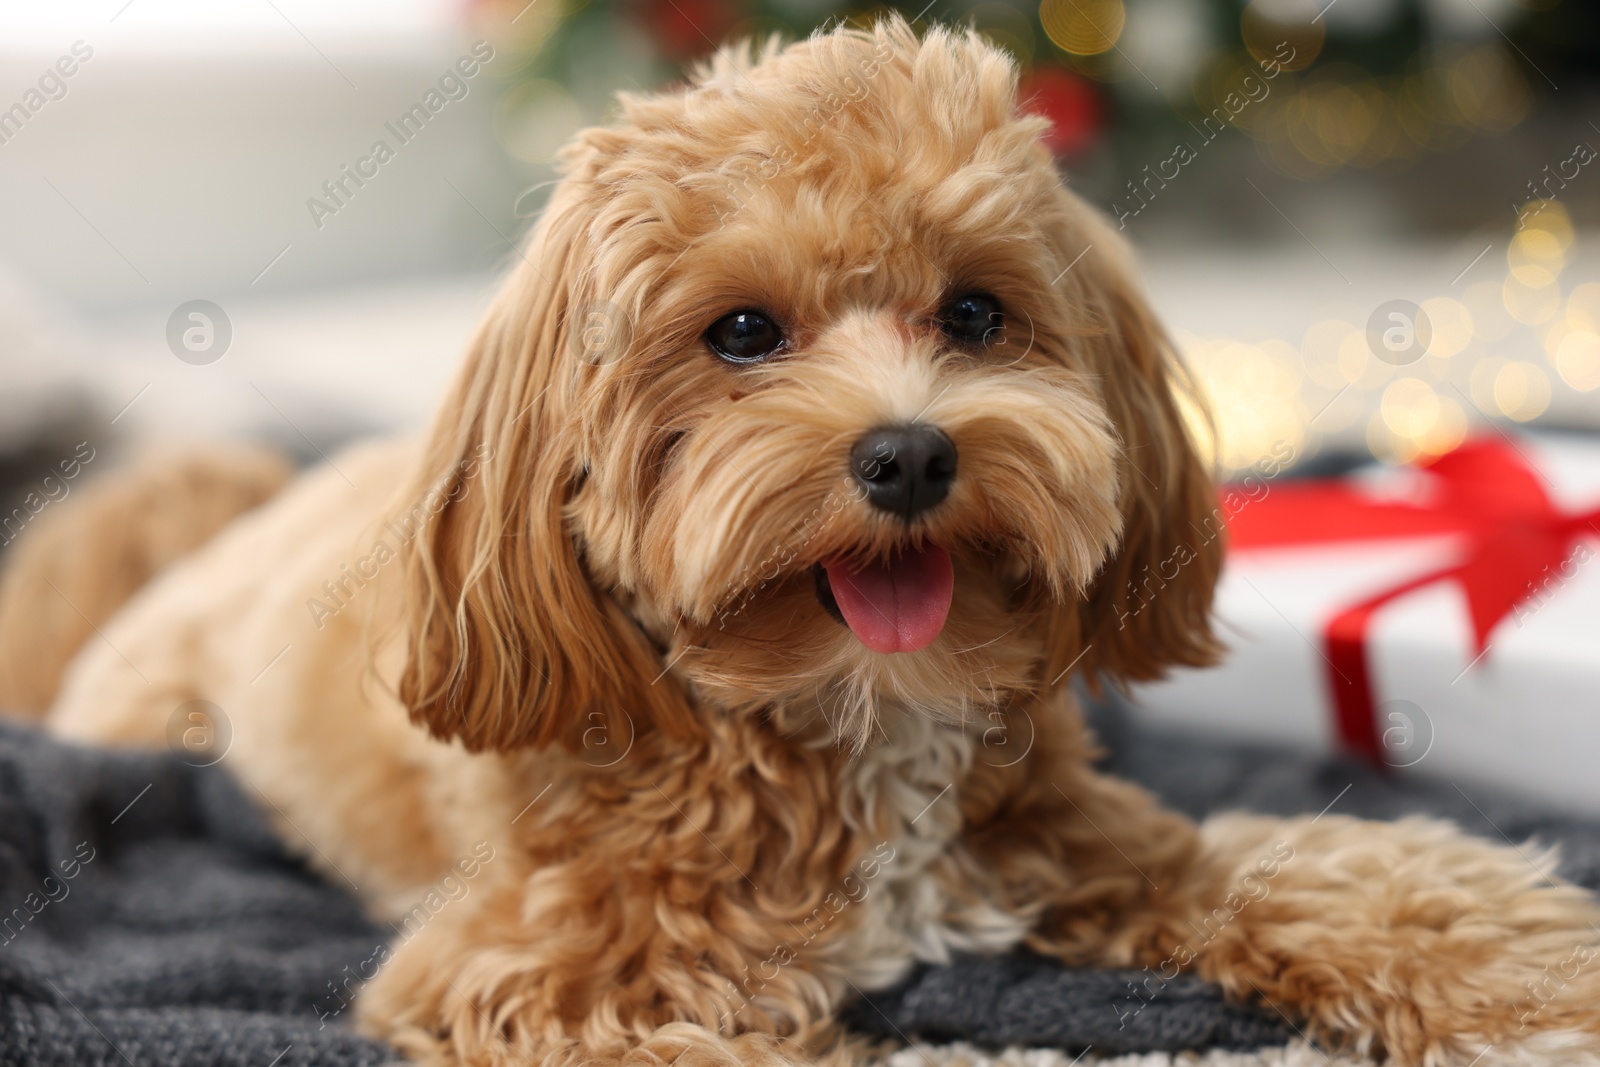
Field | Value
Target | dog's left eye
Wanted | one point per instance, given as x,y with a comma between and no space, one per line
972,318
744,337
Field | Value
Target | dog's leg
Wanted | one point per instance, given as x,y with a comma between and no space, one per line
1112,876
683,902
1410,938
562,969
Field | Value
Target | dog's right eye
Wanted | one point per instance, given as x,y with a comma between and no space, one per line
975,318
744,337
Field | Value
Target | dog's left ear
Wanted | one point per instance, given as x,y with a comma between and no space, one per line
1150,606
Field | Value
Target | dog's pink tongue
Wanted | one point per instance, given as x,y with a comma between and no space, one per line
896,607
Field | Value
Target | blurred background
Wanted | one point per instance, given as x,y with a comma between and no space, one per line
1373,227
1291,171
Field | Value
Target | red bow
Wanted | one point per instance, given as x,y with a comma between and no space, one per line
1487,494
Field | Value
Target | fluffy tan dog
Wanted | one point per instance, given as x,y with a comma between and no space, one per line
729,605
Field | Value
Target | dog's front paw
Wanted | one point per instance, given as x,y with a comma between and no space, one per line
1409,938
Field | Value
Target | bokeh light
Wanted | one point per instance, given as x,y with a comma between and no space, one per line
1452,326
1275,29
1083,27
1254,392
1521,390
1577,360
1531,304
1583,307
1476,367
1485,303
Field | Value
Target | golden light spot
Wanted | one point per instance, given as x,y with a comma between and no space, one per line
1535,257
1485,302
1547,216
1418,111
1202,428
1288,372
1536,244
519,30
1410,408
1531,304
1359,366
1388,445
1083,27
1578,360
1384,137
1488,90
1452,326
1342,119
1521,391
1481,384
1319,351
1253,390
1534,276
1285,32
1583,307
1449,429
1554,334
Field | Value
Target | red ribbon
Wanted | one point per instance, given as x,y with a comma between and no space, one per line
1485,493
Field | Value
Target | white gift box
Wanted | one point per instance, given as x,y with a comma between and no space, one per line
1419,692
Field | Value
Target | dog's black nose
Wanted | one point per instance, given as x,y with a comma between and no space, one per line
904,469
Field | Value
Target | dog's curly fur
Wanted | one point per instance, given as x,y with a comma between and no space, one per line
587,632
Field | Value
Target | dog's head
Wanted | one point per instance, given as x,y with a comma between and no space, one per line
814,388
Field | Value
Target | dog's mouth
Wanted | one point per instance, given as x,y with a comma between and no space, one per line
897,606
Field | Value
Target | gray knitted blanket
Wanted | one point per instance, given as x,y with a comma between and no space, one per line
1024,1000
147,917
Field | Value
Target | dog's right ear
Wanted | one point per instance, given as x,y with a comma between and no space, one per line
510,644
1150,607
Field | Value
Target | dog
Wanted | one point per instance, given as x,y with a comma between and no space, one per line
724,621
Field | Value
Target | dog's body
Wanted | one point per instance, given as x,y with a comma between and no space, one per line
751,723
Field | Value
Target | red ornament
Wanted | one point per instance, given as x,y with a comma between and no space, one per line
685,29
1069,102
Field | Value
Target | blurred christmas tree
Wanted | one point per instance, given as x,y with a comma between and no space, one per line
1368,83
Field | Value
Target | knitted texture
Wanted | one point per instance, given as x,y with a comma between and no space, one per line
1028,1000
148,916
